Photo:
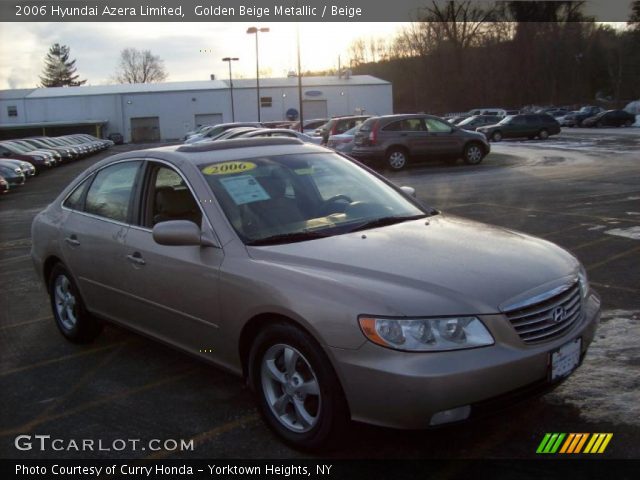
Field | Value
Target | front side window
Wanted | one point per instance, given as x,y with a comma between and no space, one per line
110,193
437,126
298,197
169,198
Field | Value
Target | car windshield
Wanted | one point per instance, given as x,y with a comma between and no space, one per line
467,121
292,198
506,119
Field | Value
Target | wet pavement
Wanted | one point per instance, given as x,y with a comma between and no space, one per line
583,196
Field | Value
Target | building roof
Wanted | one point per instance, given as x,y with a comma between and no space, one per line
186,86
15,94
308,81
64,123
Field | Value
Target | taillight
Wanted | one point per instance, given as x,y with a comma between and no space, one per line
373,135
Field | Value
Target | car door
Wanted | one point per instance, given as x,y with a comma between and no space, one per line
173,290
440,140
517,127
94,232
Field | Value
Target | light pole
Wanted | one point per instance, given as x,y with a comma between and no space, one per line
300,102
231,59
255,30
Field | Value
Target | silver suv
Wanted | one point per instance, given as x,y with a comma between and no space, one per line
335,293
395,140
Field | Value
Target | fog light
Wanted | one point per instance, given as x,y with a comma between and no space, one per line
453,415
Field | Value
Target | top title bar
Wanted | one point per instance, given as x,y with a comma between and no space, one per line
275,10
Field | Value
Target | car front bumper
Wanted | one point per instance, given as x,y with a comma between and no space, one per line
406,389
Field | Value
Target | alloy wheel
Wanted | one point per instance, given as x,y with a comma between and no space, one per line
291,388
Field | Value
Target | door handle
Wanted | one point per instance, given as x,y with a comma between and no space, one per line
136,258
72,240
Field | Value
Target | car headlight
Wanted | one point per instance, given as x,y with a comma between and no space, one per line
426,334
584,281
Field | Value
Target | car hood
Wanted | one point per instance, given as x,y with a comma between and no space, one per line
449,266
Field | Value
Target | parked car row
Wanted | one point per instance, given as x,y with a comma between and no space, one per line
229,131
23,158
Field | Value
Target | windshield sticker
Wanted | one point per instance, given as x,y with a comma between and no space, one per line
228,167
244,189
304,171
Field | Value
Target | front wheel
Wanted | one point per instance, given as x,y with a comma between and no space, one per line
473,154
299,394
496,136
69,312
543,134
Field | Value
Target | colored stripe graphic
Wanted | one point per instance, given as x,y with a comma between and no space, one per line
574,443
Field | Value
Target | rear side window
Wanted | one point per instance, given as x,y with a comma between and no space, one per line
393,127
110,193
367,125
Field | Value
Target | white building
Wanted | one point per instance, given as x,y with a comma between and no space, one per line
166,111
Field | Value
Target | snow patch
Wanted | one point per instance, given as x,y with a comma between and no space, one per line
637,123
631,232
633,213
606,388
597,227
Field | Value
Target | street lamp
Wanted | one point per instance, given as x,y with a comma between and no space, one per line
231,59
255,30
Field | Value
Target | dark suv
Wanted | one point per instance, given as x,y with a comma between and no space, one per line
338,125
395,140
529,126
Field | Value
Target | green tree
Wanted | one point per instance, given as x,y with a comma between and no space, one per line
59,71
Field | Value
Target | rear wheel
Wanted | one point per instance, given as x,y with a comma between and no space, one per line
600,124
473,154
397,158
543,134
299,394
496,136
69,312
628,123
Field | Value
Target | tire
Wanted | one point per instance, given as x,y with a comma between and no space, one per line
308,421
496,136
397,159
473,153
600,124
72,319
543,134
628,123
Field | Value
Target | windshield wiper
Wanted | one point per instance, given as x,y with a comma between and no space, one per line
288,238
384,221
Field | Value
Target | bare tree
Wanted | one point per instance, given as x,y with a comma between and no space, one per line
140,66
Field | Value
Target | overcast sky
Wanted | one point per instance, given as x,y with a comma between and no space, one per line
96,47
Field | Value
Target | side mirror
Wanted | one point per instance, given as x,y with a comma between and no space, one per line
177,233
409,190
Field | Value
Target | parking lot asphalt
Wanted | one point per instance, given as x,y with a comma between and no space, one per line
580,190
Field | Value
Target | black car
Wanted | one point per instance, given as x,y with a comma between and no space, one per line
4,185
13,175
575,119
528,125
610,118
477,121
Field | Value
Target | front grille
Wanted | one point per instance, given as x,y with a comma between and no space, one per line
535,323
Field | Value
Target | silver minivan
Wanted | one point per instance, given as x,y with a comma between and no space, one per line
337,295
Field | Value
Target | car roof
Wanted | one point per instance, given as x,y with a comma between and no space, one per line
222,151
